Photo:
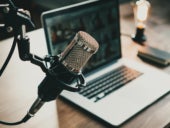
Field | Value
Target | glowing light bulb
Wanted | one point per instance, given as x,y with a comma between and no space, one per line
141,11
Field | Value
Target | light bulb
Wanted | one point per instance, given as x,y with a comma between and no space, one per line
141,10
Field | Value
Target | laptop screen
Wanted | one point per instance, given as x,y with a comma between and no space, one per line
99,18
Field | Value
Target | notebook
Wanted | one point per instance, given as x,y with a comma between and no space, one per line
117,88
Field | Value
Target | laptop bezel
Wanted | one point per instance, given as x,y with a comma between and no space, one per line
71,8
77,7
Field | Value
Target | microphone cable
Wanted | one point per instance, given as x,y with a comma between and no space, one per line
12,4
1,71
14,123
9,55
26,118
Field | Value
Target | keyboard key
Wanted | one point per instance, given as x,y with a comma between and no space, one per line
108,83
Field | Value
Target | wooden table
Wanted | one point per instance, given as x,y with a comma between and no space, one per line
157,115
18,85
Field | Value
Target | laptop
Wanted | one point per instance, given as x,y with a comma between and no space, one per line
117,88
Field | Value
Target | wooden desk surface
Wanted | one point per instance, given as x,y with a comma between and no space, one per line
157,115
18,86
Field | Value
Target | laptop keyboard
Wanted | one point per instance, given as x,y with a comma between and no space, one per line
108,83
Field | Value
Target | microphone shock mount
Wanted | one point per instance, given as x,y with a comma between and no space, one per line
11,13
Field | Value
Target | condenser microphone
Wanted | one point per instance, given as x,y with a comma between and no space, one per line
65,72
78,52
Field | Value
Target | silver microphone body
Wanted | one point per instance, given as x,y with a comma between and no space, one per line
78,52
66,70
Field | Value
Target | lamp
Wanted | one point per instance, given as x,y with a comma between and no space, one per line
141,9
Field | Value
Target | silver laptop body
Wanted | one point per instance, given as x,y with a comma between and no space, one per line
113,105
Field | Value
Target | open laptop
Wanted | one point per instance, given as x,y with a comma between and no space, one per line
117,88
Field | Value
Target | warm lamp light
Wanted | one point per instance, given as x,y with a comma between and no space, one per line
141,10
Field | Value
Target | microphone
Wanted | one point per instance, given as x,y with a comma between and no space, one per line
65,72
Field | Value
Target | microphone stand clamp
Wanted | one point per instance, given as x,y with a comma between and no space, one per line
53,84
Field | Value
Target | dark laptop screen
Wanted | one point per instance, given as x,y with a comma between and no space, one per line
98,18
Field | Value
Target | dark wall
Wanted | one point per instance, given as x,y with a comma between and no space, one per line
36,7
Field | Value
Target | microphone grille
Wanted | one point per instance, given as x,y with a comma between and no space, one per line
79,51
88,41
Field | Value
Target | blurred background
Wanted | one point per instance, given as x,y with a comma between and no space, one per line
159,10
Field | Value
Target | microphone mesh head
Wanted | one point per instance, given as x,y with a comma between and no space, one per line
79,51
